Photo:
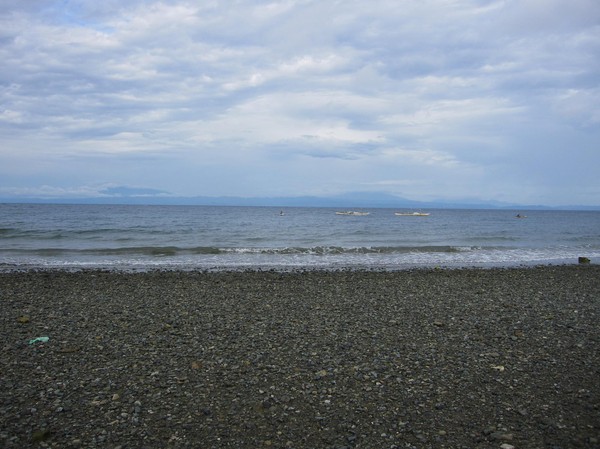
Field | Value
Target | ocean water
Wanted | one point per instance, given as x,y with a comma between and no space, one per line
207,237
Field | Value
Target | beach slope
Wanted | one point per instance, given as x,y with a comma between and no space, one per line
465,358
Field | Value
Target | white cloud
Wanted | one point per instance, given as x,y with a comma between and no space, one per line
467,93
45,191
421,157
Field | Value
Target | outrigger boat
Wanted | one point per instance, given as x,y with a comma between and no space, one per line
412,214
352,212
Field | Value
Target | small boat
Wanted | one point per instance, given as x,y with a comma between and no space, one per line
520,216
412,214
353,212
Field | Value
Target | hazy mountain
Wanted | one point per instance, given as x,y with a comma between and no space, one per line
124,195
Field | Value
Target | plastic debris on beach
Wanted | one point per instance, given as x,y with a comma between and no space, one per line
39,340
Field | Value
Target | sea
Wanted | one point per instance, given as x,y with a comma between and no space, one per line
138,238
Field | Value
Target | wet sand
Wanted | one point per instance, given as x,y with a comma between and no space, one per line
465,358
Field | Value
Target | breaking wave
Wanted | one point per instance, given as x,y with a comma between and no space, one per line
155,251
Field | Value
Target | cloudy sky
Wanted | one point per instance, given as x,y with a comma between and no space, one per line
424,99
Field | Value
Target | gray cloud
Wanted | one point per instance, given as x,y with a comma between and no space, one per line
427,99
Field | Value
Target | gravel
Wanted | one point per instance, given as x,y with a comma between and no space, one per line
425,358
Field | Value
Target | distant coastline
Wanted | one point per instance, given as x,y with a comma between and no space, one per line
350,200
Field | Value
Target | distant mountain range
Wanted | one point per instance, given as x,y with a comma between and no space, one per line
347,200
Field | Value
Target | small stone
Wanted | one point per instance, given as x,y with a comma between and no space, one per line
438,323
507,446
547,422
501,436
422,438
40,435
23,319
321,374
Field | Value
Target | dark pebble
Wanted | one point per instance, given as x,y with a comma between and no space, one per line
306,359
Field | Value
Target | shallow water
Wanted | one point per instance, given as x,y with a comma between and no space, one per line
209,237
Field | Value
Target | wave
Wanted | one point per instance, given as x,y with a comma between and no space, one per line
162,251
221,258
332,250
87,234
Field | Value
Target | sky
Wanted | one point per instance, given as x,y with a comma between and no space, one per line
497,100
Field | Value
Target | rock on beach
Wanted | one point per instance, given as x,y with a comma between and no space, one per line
445,358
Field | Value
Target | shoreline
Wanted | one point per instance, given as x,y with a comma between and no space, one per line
280,268
422,357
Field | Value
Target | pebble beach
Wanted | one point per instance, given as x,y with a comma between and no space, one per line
420,358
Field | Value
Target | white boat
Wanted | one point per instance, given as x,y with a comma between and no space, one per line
412,214
352,212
